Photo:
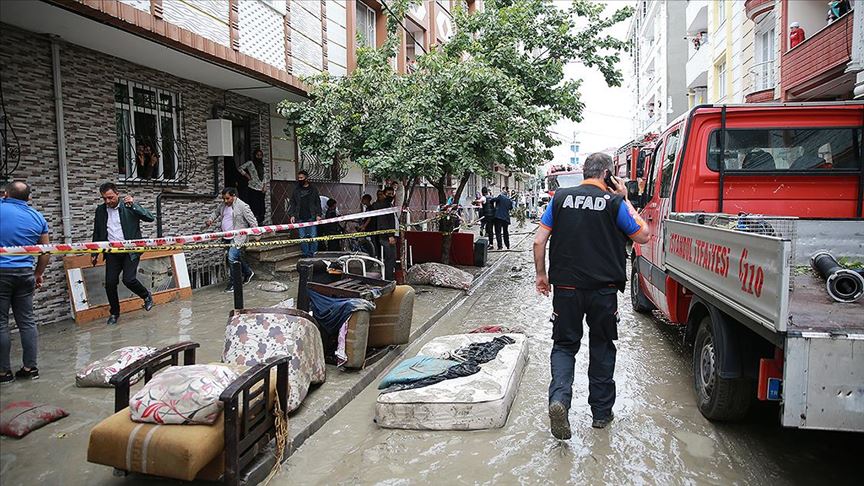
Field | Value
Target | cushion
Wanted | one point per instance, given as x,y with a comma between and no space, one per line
18,419
255,335
182,395
390,322
170,451
439,275
100,372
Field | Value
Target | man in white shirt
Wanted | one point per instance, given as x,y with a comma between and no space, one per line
119,222
233,214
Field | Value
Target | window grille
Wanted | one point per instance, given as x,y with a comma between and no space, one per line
151,147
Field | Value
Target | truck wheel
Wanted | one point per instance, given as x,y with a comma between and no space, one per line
719,398
638,300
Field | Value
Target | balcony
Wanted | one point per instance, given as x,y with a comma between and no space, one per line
697,66
815,69
764,82
697,16
756,8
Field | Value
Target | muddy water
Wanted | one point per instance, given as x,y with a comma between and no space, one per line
658,437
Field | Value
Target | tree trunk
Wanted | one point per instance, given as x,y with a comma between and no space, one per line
408,190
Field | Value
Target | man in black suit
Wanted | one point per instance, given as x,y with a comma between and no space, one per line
118,222
503,205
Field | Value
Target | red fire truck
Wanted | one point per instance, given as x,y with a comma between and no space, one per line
559,176
738,199
630,157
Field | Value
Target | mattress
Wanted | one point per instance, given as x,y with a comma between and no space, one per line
479,401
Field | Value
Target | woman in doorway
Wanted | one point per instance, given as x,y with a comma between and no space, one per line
253,171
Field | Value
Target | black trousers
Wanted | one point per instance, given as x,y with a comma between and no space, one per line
502,228
256,204
489,228
115,265
600,310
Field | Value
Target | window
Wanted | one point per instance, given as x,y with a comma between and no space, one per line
365,25
787,149
669,163
148,128
720,77
649,186
765,53
721,12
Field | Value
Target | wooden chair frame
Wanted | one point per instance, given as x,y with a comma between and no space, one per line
249,425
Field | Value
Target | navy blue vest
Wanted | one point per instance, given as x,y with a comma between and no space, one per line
587,250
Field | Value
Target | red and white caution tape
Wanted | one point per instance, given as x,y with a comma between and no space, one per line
180,240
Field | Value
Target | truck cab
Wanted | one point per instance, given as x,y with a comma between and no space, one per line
799,168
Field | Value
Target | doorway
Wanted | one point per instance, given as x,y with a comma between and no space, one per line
240,133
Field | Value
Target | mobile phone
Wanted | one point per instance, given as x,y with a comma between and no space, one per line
610,183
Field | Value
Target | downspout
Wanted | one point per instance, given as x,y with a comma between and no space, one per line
61,141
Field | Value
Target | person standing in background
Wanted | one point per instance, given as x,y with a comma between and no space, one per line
503,205
387,243
306,207
255,173
487,211
330,229
20,225
118,222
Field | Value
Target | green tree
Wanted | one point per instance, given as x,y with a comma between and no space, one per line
486,97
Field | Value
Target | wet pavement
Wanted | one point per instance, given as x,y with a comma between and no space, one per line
56,454
658,436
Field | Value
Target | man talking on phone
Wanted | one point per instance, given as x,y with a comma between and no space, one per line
118,222
589,226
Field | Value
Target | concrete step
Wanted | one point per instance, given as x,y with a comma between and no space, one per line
272,254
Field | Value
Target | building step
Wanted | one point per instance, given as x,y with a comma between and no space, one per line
272,254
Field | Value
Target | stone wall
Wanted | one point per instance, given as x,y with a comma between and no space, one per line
89,115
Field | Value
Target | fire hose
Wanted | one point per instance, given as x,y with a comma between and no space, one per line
843,284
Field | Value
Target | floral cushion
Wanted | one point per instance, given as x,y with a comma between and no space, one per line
18,419
255,335
182,395
100,372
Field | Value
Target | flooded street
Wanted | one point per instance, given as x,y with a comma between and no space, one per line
658,436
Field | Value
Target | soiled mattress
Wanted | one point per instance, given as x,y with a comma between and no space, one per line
479,401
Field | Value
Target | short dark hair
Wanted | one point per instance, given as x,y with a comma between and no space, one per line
379,192
388,188
366,196
107,186
484,190
331,202
229,190
303,172
18,190
596,164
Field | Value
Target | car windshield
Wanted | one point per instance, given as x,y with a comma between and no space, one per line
564,180
787,149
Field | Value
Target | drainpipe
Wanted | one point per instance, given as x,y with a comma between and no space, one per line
61,141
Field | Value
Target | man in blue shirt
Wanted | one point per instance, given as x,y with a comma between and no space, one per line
589,226
20,225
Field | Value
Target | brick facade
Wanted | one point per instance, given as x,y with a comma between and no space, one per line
89,115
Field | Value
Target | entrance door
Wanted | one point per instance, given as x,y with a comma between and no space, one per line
242,153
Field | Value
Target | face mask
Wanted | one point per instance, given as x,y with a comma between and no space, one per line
301,183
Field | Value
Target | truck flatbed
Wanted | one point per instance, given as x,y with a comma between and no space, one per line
811,309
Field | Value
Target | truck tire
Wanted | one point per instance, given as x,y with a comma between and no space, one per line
719,399
638,299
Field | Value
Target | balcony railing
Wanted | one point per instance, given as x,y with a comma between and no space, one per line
764,76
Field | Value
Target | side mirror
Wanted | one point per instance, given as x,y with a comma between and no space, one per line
633,193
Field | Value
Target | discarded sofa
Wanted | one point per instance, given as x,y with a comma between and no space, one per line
479,400
388,323
219,452
253,336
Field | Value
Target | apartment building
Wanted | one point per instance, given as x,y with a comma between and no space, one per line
658,84
86,84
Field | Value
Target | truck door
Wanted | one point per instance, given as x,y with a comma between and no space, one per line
651,215
660,185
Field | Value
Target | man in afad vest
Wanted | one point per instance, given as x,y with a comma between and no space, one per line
589,226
